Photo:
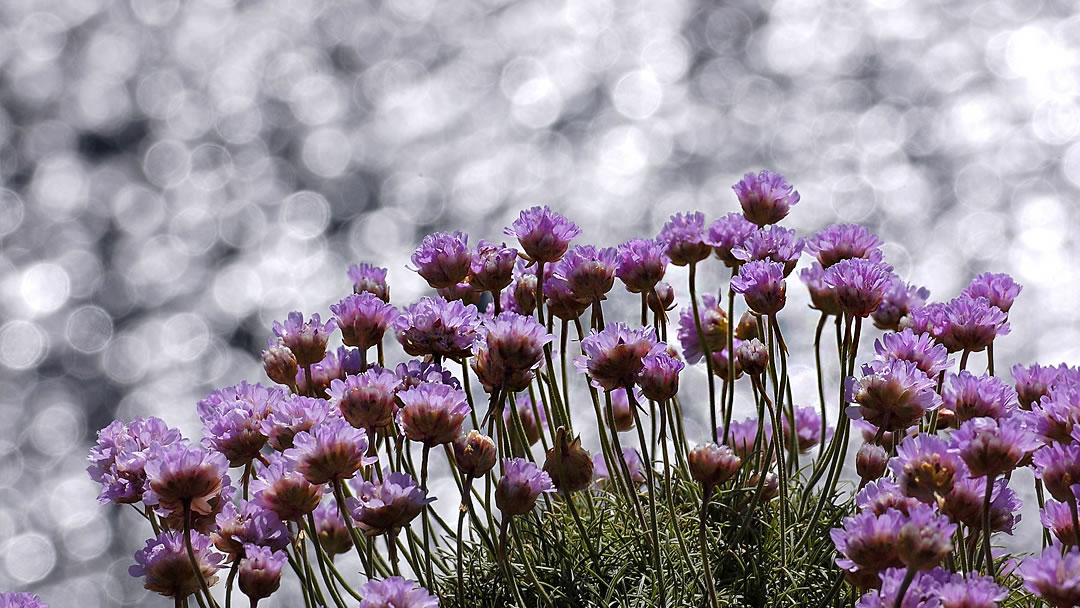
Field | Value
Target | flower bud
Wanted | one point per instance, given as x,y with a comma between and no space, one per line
474,454
525,293
712,465
279,363
661,298
747,327
771,488
568,464
870,462
260,571
753,357
620,409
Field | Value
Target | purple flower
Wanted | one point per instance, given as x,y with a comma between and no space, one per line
1053,577
1000,289
929,319
306,339
633,463
752,356
1055,416
283,489
166,567
367,278
879,496
333,535
12,599
260,571
860,284
322,374
415,372
743,434
279,362
897,303
118,459
531,425
232,419
843,242
589,271
293,415
973,323
561,300
766,197
1005,507
923,592
931,358
771,243
516,342
683,238
432,413
822,297
443,259
891,395
396,592
926,468
714,325
1058,466
870,462
460,292
867,544
389,505
367,400
436,327
543,233
363,319
493,375
1057,517
250,525
727,233
762,285
971,396
711,465
329,452
620,409
521,484
640,264
492,266
964,503
178,474
613,357
992,447
925,538
807,428
1033,382
970,591
659,375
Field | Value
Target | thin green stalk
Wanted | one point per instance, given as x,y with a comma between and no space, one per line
908,577
821,383
705,350
195,563
427,519
731,356
646,459
986,531
703,539
339,496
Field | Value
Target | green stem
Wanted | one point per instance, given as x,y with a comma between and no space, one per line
910,576
195,562
986,531
731,357
821,383
706,352
427,518
646,460
339,496
703,539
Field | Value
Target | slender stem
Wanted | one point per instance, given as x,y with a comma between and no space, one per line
986,531
731,356
427,519
964,359
195,562
465,500
562,363
703,539
910,576
1076,523
230,581
620,465
705,351
1042,505
339,496
821,382
646,460
990,359
312,531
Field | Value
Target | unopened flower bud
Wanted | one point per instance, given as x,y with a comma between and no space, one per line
747,327
279,362
568,464
870,462
771,488
712,465
753,357
661,298
474,454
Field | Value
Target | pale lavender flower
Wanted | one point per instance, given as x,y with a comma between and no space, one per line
333,535
822,297
414,372
293,415
867,544
166,567
613,357
925,538
683,237
971,396
892,395
306,339
743,434
1000,289
993,447
118,458
492,266
521,484
280,487
13,599
396,592
388,505
443,259
367,400
329,452
714,325
766,198
543,233
879,496
971,591
561,301
640,264
926,468
930,357
711,465
232,419
589,271
843,242
973,323
259,575
727,233
1056,415
1054,577
1057,518
762,284
1033,382
322,374
367,278
251,524
432,413
898,302
930,320
178,474
771,243
363,319
923,592
516,342
807,428
434,326
1058,466
860,284
659,375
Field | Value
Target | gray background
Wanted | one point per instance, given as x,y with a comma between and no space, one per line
178,174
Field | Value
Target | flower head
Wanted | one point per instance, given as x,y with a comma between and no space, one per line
1000,289
1033,382
992,447
1056,415
279,362
367,400
613,357
434,326
929,319
884,494
259,575
543,233
528,417
166,567
867,544
329,452
659,375
742,436
293,415
432,413
930,357
232,419
396,592
860,284
926,468
822,297
762,285
1058,466
897,303
925,538
589,272
474,454
363,319
1057,518
714,326
711,465
727,233
661,299
414,373
640,264
923,592
516,342
521,484
973,323
683,238
178,475
251,524
568,464
389,505
333,535
970,591
306,339
892,395
443,259
118,458
766,197
870,462
12,599
1053,577
843,242
771,243
492,266
283,489
807,428
367,278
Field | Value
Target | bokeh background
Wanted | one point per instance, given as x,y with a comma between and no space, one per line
177,174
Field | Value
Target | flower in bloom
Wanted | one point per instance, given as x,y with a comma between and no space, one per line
640,264
492,266
251,524
543,233
860,284
516,342
870,462
659,375
843,242
13,599
590,272
283,489
369,279
1058,466
519,487
822,297
528,417
925,467
923,592
443,259
333,535
562,301
613,357
633,464
727,233
329,452
925,538
879,496
714,326
367,400
414,373
259,575
569,465
931,358
970,591
1005,507
897,303
867,545
807,428
992,447
279,362
434,326
493,375
306,339
432,413
1000,289
321,374
762,284
293,415
118,458
683,237
891,395
389,505
396,592
363,319
774,244
232,419
474,454
166,567
1057,518
929,319
711,465
178,475
973,323
964,503
766,197
1033,382
1053,577
743,434
1055,416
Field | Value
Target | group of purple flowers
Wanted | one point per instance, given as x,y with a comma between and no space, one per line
323,463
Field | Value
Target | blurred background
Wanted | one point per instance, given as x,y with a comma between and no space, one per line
175,175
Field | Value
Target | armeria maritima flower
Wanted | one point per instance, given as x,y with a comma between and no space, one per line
1058,466
589,271
519,487
762,284
926,468
330,452
333,535
843,242
543,234
515,342
640,264
434,326
922,592
807,428
1000,289
179,475
711,465
714,327
279,362
492,266
973,323
993,447
166,568
970,396
250,524
363,319
118,459
613,357
1033,382
1054,577
282,488
860,284
367,400
925,538
884,494
1057,518
727,233
432,413
306,339
765,197
388,505
443,259
898,302
867,545
259,575
970,591
293,415
396,592
771,243
891,395
683,237
232,419
474,454
13,599
367,278
822,297
929,356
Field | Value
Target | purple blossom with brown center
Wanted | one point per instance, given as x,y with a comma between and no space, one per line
930,357
589,271
892,395
519,487
306,339
992,447
232,419
822,297
259,575
388,505
897,304
367,278
329,452
1033,382
561,300
1054,577
613,357
443,259
434,326
492,266
884,494
970,396
640,264
843,242
1058,466
766,198
714,326
1056,415
516,342
925,538
659,375
178,475
543,233
762,284
363,319
867,545
926,468
1000,289
251,524
973,323
432,413
1057,518
118,458
293,415
367,400
727,233
280,487
166,567
683,238
807,428
860,284
413,373
711,465
771,243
